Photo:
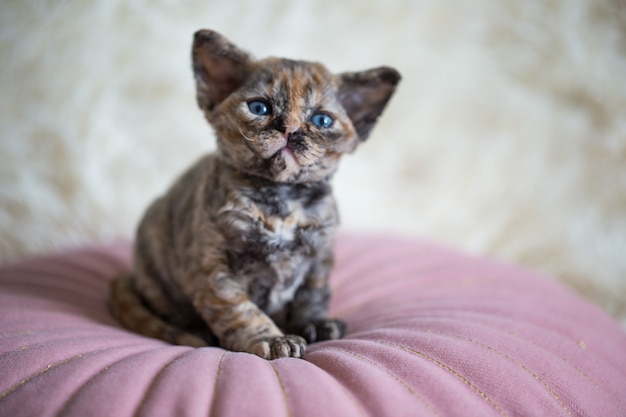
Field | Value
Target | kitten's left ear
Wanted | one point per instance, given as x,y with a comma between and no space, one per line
365,94
219,67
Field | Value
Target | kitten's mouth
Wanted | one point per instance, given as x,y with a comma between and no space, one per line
287,155
284,163
286,152
288,159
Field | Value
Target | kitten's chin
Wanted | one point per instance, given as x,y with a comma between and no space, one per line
285,165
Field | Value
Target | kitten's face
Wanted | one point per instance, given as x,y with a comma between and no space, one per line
284,120
284,123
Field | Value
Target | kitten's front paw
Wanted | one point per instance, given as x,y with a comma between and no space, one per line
327,329
289,346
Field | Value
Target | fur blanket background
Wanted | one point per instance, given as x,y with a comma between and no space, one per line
507,136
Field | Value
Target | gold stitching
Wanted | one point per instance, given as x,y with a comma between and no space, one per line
17,333
282,388
509,358
452,371
41,372
350,395
534,375
394,376
217,374
154,379
584,374
74,395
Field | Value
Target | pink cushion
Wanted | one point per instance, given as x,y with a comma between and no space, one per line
432,333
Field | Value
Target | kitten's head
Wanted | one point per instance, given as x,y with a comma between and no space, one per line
285,120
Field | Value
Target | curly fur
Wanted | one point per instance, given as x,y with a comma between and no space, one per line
508,137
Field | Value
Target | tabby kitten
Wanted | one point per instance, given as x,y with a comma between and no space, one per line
238,252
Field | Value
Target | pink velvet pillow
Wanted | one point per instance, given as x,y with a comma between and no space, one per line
432,333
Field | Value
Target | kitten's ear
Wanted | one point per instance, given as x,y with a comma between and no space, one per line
365,94
219,67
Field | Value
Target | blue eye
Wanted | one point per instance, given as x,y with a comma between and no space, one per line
322,120
259,107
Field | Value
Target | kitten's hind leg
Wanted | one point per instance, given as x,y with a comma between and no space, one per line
131,312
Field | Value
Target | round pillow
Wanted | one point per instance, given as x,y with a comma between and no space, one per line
431,333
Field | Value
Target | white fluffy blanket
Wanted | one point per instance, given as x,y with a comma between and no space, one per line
507,136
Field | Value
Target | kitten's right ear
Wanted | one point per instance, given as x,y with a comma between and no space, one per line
219,67
365,94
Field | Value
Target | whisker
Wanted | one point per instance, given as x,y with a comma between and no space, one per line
245,137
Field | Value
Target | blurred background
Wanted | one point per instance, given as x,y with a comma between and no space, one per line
507,136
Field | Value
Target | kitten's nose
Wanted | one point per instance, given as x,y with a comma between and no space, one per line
289,127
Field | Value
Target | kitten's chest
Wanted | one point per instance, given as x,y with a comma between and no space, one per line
273,236
279,229
272,253
259,234
280,241
276,219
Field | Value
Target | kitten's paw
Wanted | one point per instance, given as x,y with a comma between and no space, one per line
289,346
327,329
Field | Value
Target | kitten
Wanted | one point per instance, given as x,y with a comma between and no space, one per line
239,250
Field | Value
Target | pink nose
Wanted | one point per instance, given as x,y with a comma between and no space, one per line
291,126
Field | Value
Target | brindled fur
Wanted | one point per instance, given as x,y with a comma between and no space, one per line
238,252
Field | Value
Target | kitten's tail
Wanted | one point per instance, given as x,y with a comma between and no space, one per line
131,312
